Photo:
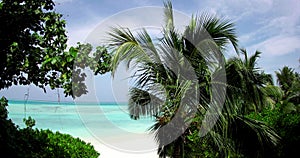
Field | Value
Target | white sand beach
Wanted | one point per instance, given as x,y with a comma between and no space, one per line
110,152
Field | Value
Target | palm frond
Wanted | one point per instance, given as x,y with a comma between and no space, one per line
220,29
273,91
128,48
143,103
168,12
253,59
260,137
248,80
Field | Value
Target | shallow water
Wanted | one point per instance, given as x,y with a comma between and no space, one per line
102,119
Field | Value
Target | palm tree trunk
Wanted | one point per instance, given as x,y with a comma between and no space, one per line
178,148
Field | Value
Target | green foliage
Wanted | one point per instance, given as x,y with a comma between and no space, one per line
103,59
30,122
33,49
154,63
7,136
197,146
35,143
3,105
289,82
29,31
45,143
286,78
69,67
286,123
246,82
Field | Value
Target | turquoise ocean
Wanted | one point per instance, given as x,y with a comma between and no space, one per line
78,120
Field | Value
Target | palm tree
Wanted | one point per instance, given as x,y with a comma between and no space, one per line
246,82
288,81
285,78
248,90
175,77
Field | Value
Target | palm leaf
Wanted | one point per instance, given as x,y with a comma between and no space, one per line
142,103
168,12
222,31
260,138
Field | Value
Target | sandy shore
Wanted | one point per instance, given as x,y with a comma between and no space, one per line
124,147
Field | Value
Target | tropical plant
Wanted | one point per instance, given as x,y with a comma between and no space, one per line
289,82
249,89
69,66
286,122
31,31
165,71
176,80
246,82
33,49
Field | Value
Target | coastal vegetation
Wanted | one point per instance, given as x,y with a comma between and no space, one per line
35,143
204,104
33,51
244,111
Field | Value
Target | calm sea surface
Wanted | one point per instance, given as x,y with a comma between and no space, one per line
103,119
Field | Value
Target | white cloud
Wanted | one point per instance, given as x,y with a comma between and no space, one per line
275,30
271,28
143,17
278,45
61,1
79,33
237,9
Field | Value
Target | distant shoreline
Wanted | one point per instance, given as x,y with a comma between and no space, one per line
18,101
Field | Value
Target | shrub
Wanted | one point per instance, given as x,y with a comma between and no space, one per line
45,143
286,123
33,143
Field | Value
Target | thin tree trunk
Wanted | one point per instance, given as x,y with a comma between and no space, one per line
178,152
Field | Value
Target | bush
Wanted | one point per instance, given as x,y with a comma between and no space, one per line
45,143
33,143
286,123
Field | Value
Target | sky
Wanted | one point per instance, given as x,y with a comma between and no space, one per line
269,26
